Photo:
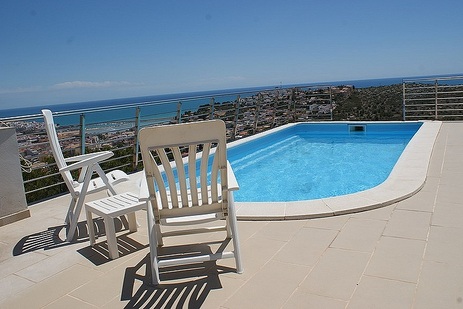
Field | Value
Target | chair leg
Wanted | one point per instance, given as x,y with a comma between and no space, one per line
234,229
91,229
153,241
159,240
80,203
111,237
72,205
133,225
74,220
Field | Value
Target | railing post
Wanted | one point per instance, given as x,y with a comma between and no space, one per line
331,103
294,102
212,104
256,116
136,144
275,107
82,133
179,112
237,112
404,117
436,98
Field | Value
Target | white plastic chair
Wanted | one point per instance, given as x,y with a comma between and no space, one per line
188,181
87,164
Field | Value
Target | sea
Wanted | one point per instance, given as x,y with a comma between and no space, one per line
106,110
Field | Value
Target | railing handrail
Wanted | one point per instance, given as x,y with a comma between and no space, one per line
421,79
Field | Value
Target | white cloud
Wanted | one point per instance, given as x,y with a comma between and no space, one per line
87,84
20,90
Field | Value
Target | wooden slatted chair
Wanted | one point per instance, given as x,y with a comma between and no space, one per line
88,164
188,181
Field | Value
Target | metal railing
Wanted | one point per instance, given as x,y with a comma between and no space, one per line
433,98
116,128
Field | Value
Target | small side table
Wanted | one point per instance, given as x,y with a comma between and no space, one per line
110,208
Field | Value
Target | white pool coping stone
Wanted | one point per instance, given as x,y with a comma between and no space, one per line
406,178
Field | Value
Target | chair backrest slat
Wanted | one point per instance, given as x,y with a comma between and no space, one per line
156,177
181,176
214,177
192,173
203,173
161,152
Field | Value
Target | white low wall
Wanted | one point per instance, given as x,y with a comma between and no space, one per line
13,206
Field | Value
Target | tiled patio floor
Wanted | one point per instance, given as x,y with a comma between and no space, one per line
407,255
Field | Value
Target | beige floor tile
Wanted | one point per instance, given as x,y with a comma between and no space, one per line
451,179
52,288
306,247
11,285
378,293
435,170
107,286
256,252
422,201
450,193
381,213
330,223
281,230
69,302
448,215
397,258
50,266
445,244
191,294
247,229
304,300
5,250
14,264
269,288
440,286
222,291
408,224
359,235
116,303
337,274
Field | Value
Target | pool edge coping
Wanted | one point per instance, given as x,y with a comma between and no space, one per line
406,178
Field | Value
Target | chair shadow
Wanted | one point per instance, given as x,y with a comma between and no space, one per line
99,253
185,286
51,239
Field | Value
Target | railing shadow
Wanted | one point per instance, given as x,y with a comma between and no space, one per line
55,237
185,286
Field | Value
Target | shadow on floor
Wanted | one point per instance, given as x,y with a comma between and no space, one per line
99,253
55,237
185,286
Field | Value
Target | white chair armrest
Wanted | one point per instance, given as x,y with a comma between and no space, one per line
144,194
89,155
232,182
98,157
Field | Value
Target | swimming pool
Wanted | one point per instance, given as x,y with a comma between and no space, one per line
310,161
406,178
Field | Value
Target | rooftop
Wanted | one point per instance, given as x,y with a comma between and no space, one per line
405,255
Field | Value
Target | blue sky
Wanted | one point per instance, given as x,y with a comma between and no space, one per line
71,51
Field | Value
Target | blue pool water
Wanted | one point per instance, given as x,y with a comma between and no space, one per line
310,161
